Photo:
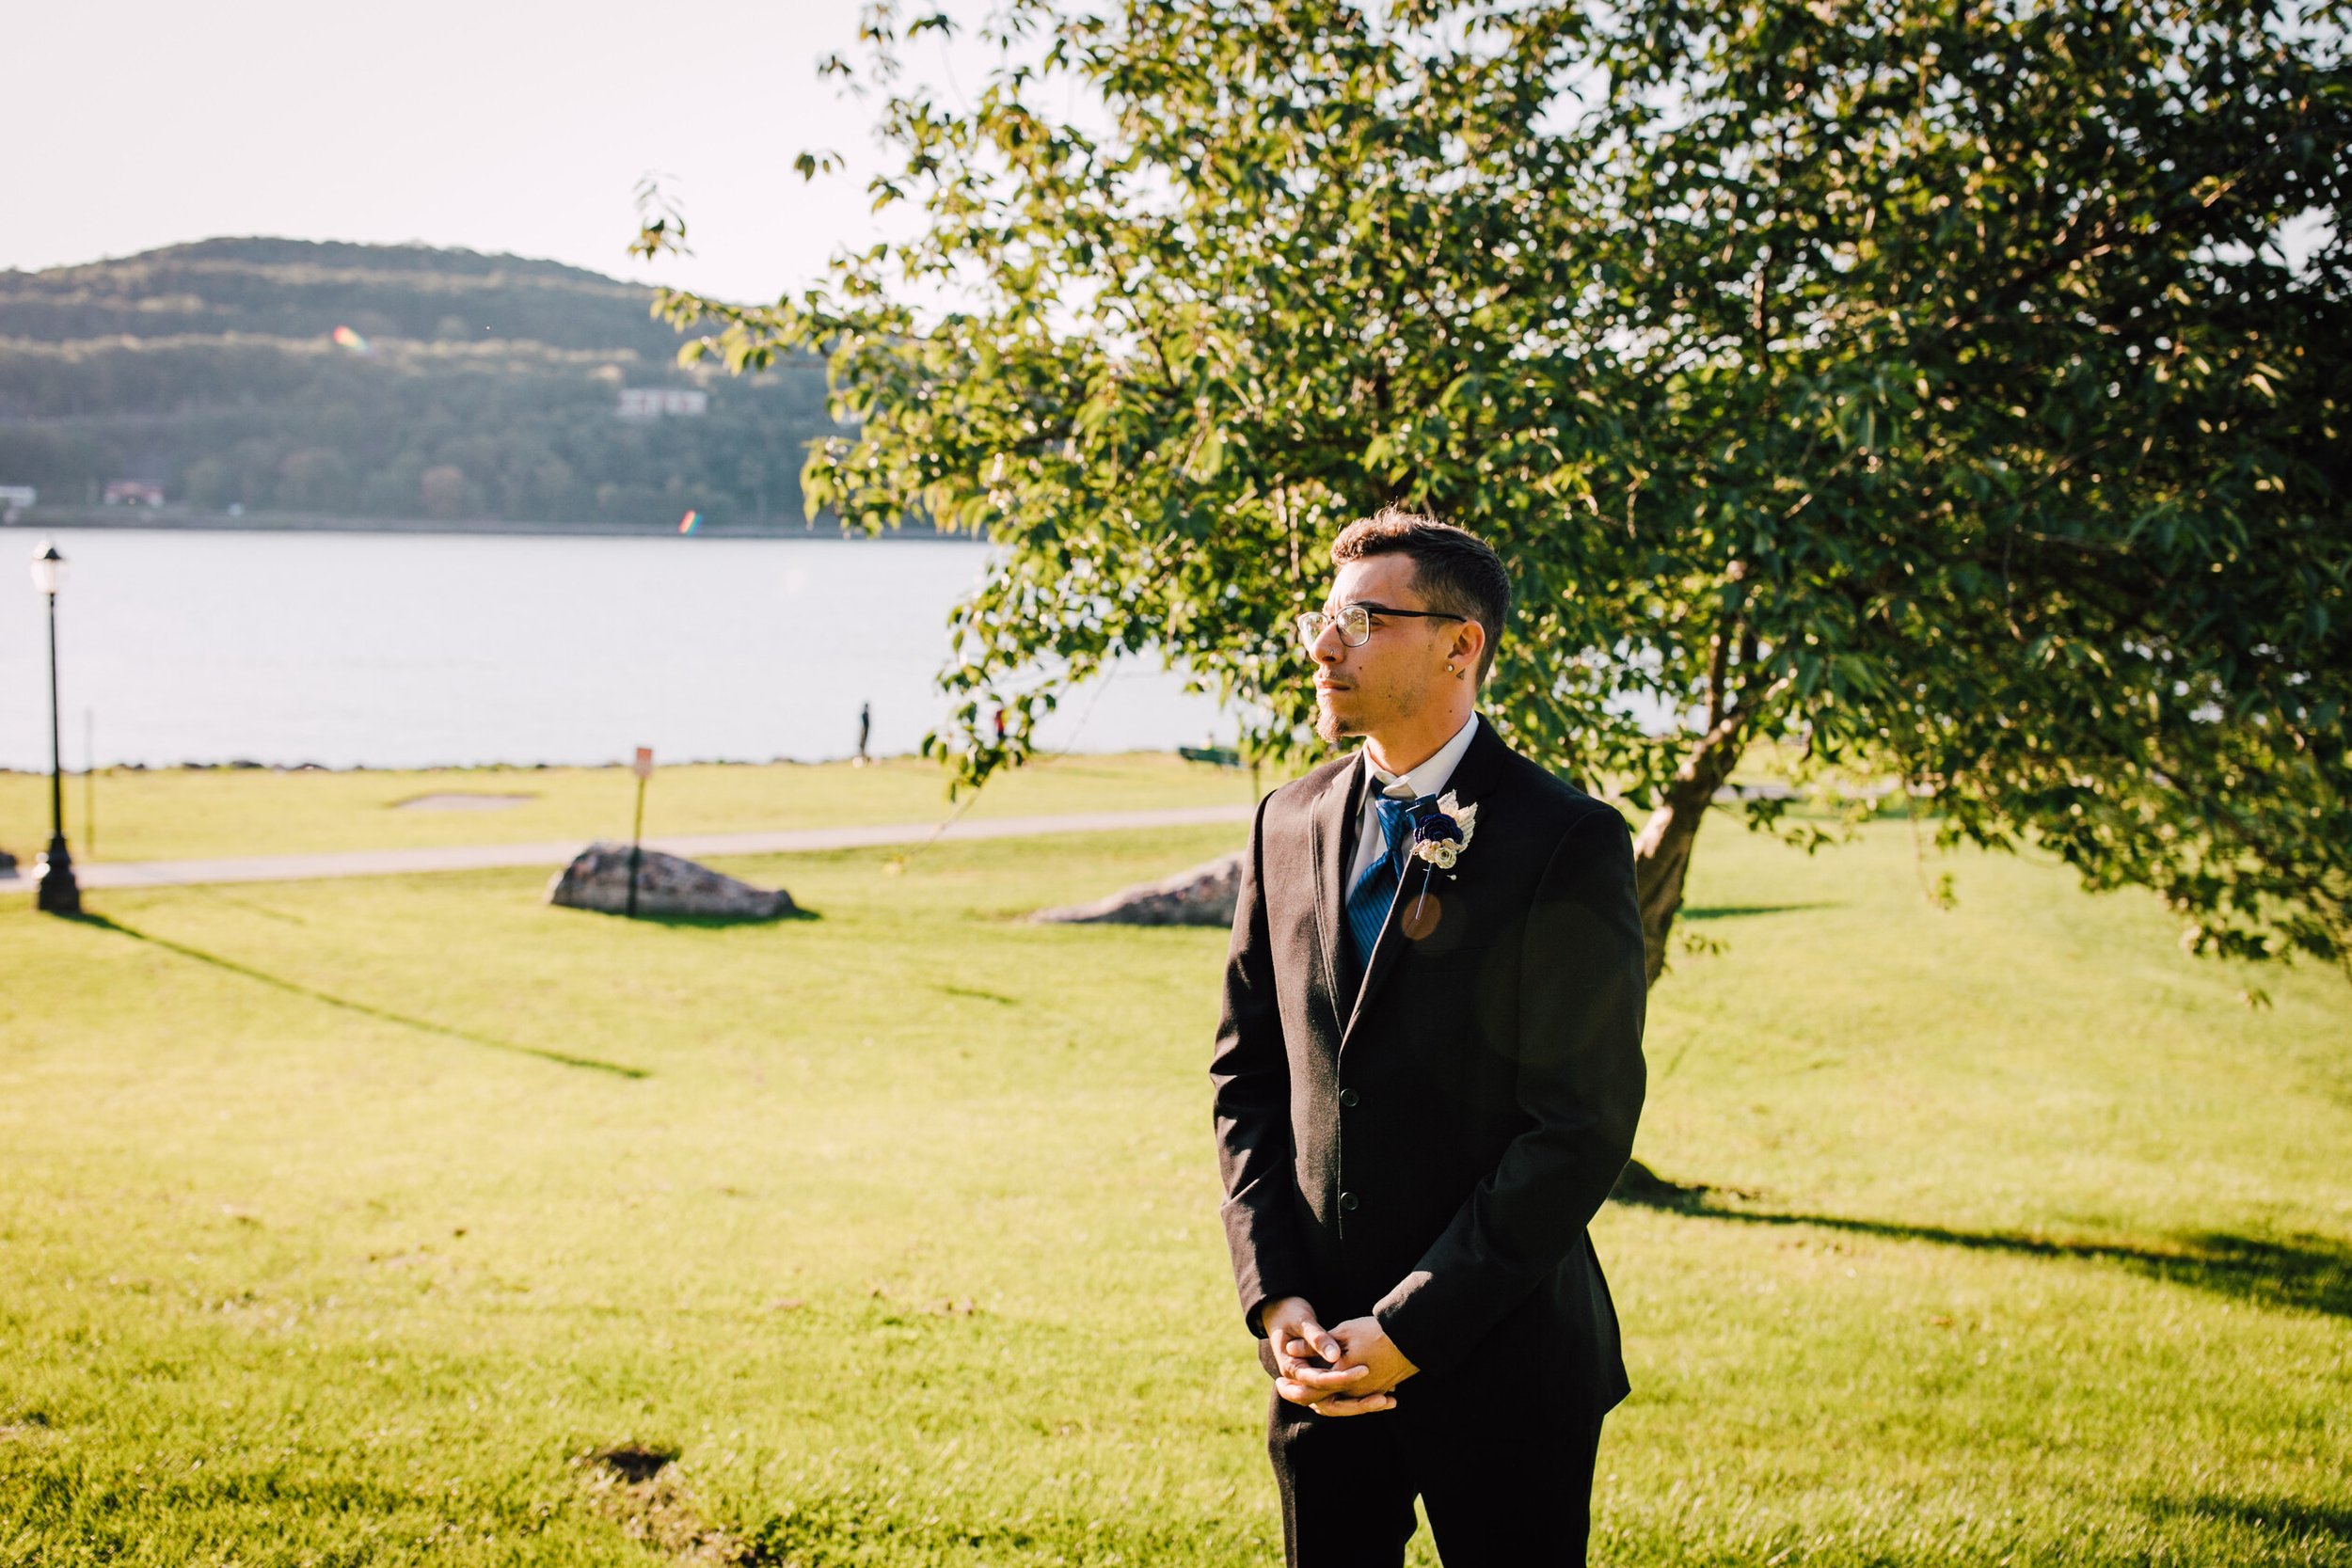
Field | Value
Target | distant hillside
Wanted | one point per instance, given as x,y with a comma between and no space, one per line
394,381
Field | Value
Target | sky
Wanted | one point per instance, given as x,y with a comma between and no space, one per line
488,124
494,125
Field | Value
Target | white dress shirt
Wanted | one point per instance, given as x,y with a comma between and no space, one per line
1428,779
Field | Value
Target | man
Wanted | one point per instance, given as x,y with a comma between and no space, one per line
1428,1076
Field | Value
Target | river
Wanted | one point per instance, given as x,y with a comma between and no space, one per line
420,650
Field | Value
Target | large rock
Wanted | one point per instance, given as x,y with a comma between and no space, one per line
1203,895
597,879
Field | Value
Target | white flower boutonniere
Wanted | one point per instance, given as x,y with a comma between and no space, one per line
1441,835
1442,831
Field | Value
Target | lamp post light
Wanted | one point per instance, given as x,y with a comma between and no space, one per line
58,893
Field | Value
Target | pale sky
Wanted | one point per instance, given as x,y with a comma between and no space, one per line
489,124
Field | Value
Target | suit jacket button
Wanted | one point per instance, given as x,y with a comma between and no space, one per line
1348,1098
1348,1203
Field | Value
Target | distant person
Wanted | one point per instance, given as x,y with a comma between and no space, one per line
865,731
1427,1079
1000,726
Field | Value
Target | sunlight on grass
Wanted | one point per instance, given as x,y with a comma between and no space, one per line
2010,1233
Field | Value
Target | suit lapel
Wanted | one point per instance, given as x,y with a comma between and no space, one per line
1472,777
1334,812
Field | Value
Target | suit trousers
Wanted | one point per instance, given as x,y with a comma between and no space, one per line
1499,1496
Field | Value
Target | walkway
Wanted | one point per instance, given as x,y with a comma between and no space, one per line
479,857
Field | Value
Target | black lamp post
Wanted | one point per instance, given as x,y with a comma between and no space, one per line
58,893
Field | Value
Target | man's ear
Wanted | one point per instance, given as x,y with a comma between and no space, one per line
1469,641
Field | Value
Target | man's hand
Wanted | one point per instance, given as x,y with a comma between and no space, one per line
1306,1360
1311,1362
1366,1347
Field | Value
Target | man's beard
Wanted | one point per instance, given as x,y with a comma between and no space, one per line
1329,728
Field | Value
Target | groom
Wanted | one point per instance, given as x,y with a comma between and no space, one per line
1426,1081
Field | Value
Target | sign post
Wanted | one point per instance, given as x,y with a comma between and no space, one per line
642,767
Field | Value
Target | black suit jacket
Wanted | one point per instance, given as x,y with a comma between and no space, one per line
1431,1150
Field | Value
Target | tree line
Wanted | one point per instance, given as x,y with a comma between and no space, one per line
437,402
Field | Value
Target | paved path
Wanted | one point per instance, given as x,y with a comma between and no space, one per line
476,857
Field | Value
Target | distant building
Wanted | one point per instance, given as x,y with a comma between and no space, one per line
654,402
15,499
133,492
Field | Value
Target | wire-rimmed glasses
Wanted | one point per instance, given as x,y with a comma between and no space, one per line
1355,622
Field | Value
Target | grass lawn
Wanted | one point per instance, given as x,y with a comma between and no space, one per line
339,1219
173,814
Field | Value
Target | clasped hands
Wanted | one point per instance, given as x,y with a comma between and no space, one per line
1351,1368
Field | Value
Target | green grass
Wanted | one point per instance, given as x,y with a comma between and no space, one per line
170,813
329,1237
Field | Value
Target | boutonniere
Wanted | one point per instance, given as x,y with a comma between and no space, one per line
1442,831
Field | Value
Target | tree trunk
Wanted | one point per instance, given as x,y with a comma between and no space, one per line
1662,850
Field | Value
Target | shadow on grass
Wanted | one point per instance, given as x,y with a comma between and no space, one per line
977,995
2312,1274
723,921
364,1009
209,891
1734,911
2298,1519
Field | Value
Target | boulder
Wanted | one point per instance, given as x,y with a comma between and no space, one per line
597,879
1203,895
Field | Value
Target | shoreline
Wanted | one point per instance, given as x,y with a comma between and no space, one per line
877,760
120,519
244,764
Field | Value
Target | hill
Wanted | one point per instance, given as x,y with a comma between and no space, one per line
392,381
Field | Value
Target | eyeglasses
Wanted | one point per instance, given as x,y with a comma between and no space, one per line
1355,622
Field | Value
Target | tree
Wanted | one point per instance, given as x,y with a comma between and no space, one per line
442,489
1929,387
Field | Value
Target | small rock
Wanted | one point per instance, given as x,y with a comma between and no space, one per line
1204,896
597,879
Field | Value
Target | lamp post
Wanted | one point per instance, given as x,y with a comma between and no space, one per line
59,894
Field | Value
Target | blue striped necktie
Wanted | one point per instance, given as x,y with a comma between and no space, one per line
1368,903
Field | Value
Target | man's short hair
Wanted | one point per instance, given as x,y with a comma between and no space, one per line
1453,569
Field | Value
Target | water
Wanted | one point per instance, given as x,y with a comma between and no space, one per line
401,650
